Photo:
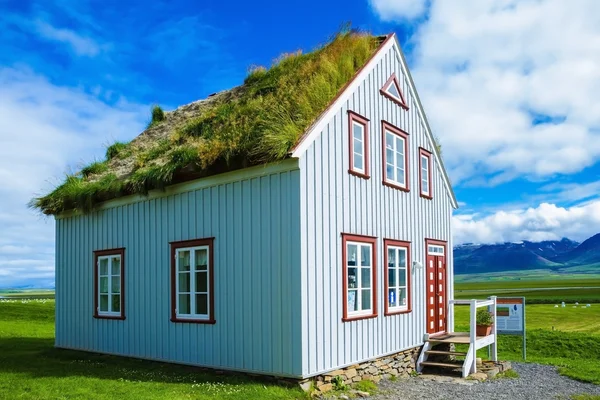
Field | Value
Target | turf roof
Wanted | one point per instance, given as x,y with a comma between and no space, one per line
257,122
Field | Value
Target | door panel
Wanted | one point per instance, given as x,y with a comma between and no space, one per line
436,287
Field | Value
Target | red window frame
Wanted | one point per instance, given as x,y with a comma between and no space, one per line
425,153
393,80
110,252
387,127
352,118
373,242
397,243
211,284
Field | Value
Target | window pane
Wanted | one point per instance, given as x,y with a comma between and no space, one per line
103,266
402,273
365,276
116,303
184,282
389,172
366,299
201,260
365,252
351,256
402,258
352,300
357,131
358,147
389,156
424,163
115,284
399,145
392,277
402,297
184,304
104,303
202,304
425,187
184,261
352,283
400,160
116,266
392,298
202,281
391,258
400,175
104,285
389,140
358,162
394,91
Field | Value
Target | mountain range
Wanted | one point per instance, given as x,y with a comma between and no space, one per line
472,258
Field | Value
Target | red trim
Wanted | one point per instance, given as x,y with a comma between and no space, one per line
111,252
428,281
397,243
426,153
384,91
211,284
373,242
340,92
386,126
354,117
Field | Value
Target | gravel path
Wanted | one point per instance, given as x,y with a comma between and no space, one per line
535,382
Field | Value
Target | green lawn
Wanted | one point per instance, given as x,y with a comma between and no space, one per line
31,368
573,345
26,294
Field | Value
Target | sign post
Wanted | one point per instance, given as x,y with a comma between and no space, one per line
510,318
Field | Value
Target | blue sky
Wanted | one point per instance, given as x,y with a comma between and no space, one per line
512,98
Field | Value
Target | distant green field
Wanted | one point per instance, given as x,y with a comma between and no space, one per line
536,291
26,294
570,273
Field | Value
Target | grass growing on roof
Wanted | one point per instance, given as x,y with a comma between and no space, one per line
255,123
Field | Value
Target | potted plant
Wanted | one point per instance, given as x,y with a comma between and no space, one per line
484,320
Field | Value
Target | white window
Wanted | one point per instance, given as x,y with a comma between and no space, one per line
435,250
391,89
109,281
359,275
425,173
397,278
359,144
192,283
395,156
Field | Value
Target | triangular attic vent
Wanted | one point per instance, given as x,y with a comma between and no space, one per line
392,91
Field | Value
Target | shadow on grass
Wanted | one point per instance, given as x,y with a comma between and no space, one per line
37,357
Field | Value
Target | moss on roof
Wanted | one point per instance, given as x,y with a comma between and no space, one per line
257,122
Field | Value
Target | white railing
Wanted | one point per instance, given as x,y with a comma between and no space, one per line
470,364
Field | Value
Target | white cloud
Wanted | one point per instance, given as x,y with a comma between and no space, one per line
43,129
389,10
545,222
80,44
485,69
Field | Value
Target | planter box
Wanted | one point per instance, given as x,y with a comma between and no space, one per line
483,330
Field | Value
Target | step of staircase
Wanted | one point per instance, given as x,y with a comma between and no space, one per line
446,353
442,364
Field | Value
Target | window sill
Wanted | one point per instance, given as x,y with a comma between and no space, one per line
359,174
195,321
359,317
426,196
396,186
116,317
397,312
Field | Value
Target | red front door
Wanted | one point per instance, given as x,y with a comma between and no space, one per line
436,286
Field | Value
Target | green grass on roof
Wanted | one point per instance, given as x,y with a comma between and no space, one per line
258,122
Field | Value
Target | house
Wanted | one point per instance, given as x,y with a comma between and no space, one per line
328,255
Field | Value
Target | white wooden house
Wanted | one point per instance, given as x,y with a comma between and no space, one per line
337,255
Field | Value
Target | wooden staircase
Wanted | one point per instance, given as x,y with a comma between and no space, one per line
469,364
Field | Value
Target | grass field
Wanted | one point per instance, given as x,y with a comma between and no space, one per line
26,293
536,291
31,368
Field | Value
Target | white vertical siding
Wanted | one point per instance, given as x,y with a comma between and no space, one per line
334,202
255,222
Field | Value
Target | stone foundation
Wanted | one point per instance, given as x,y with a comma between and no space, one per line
400,364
